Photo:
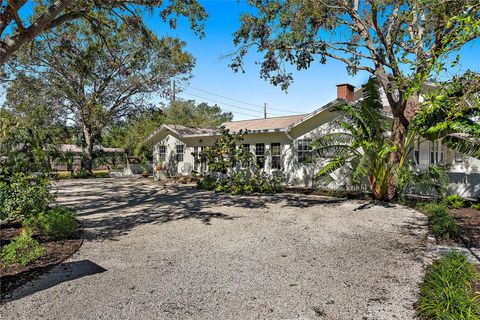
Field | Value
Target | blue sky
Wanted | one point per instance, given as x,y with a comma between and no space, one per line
311,88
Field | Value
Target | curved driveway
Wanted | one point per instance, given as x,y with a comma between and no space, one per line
154,252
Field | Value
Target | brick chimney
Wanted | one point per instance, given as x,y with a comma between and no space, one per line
345,91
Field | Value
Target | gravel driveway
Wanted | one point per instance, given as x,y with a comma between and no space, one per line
154,252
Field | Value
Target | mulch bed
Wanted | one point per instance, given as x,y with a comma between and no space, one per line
468,220
14,276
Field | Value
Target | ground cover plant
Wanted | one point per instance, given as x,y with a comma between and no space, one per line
56,223
442,222
22,250
447,292
454,201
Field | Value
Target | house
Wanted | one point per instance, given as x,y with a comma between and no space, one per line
283,143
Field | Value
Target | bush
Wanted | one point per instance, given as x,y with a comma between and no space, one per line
446,292
454,201
56,223
23,250
476,206
242,182
23,196
441,220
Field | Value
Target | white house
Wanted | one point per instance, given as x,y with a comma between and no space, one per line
282,143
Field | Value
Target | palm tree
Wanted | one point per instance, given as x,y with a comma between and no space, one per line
362,147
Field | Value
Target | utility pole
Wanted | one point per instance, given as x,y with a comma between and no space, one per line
265,110
173,92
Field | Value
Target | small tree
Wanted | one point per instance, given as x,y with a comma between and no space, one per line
362,147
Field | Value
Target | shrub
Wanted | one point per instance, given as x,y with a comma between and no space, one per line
476,206
454,201
23,196
22,249
242,182
441,220
56,223
446,292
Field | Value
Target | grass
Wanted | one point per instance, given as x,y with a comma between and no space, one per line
447,293
476,206
442,222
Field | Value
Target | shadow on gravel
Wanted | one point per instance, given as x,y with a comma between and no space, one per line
64,272
112,208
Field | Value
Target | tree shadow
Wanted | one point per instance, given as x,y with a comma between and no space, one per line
66,271
374,203
112,208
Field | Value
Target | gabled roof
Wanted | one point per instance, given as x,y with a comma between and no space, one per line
263,124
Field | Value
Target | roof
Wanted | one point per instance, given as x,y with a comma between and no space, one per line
72,148
185,131
263,124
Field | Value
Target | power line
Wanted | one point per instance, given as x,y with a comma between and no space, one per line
240,101
238,112
230,105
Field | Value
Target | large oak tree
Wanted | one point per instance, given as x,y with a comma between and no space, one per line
22,20
401,42
95,76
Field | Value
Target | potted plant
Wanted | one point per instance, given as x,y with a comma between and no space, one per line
144,166
159,165
160,171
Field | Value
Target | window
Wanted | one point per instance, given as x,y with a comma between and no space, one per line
275,151
162,151
303,150
179,148
458,157
436,151
260,154
246,147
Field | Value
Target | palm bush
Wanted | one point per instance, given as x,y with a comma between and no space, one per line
454,201
362,148
432,181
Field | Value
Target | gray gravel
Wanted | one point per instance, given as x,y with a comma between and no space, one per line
154,252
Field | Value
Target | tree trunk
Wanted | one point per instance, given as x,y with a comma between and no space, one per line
88,151
403,115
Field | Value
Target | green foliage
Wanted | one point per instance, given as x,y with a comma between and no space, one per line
226,153
432,181
447,293
442,222
22,250
23,196
187,113
454,201
476,206
119,74
243,182
232,169
56,223
449,113
362,148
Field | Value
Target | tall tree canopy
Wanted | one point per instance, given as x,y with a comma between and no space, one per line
95,77
401,42
18,27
